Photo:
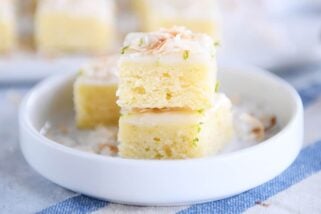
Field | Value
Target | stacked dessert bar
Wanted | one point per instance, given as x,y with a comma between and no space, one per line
167,94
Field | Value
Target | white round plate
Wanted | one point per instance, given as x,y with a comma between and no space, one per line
169,182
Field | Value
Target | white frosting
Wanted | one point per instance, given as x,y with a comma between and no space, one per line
154,118
101,71
185,9
7,10
166,41
172,58
103,9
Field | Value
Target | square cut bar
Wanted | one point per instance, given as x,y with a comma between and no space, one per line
176,134
200,16
7,26
95,94
171,68
74,26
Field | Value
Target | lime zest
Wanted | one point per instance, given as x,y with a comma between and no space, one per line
185,54
123,50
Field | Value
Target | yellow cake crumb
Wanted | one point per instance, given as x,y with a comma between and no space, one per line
176,134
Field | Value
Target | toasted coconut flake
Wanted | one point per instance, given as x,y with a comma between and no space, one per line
176,39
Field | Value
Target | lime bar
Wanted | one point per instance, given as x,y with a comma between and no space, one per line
95,94
171,68
162,134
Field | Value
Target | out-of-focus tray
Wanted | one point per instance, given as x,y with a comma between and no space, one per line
30,67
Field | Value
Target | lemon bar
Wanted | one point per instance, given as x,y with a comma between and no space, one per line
170,68
176,134
95,94
74,26
200,16
7,26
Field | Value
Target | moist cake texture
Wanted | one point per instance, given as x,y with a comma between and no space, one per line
171,68
95,94
176,134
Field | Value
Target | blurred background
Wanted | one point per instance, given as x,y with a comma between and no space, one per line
38,38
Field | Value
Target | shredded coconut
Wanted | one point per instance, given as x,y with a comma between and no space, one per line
171,40
103,69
